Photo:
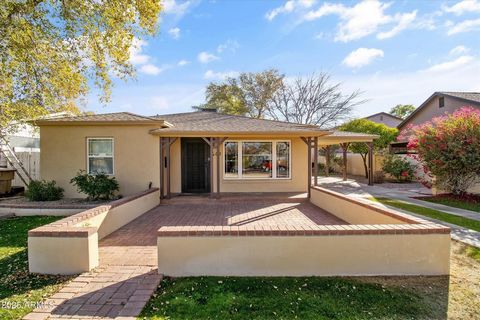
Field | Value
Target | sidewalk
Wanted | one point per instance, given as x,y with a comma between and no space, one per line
405,192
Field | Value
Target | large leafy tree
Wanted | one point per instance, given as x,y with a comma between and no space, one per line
385,136
402,110
249,94
51,50
449,148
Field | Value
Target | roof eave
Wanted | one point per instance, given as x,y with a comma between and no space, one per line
180,133
164,124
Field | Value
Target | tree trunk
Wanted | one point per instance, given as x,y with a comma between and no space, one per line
364,158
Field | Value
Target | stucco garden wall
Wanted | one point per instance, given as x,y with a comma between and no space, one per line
70,245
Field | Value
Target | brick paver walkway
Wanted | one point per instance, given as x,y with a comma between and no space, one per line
108,292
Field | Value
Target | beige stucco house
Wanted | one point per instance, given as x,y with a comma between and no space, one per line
201,152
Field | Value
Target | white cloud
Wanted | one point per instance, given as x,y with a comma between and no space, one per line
366,18
362,57
174,32
182,63
464,26
176,8
464,6
136,56
355,22
451,65
288,7
150,69
405,20
230,45
211,75
458,50
205,57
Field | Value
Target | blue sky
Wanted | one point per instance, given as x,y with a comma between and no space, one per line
395,51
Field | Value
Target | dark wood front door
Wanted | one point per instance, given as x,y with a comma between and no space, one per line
195,166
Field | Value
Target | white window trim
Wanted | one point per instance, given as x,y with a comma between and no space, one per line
274,160
113,153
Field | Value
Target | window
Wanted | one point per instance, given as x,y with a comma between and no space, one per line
231,159
100,155
257,159
441,102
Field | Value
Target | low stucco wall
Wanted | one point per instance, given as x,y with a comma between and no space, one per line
24,212
70,245
355,211
62,255
352,255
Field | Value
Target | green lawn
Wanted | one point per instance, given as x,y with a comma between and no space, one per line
427,212
282,298
19,290
457,203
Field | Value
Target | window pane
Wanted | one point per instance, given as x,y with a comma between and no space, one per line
257,159
100,165
231,159
100,147
283,161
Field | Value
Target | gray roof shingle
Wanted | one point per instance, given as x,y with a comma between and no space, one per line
471,96
209,121
103,117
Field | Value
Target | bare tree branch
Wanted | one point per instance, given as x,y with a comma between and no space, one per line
313,100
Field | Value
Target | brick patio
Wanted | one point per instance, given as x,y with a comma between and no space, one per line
136,242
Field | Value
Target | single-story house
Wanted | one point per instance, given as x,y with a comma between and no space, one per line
385,118
202,152
272,219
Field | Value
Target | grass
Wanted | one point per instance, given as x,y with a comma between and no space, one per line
431,213
282,298
20,290
453,202
473,252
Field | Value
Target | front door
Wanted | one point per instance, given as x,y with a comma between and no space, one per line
195,166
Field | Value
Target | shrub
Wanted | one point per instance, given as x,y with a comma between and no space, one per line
43,191
96,186
399,168
449,148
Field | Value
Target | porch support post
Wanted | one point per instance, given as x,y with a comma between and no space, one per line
308,142
370,163
344,169
161,167
327,160
167,165
169,142
210,141
315,160
218,143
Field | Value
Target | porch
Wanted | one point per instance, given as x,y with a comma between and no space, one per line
136,242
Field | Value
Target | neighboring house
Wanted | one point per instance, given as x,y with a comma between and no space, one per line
438,104
385,118
201,151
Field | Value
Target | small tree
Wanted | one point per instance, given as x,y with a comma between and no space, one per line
449,146
385,136
402,110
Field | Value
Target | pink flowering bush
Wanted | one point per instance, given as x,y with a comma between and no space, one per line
449,149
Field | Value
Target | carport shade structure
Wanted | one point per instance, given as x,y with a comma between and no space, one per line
344,138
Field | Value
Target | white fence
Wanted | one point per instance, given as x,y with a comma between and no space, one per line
31,162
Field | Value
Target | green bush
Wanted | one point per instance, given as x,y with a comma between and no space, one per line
399,168
95,186
43,191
